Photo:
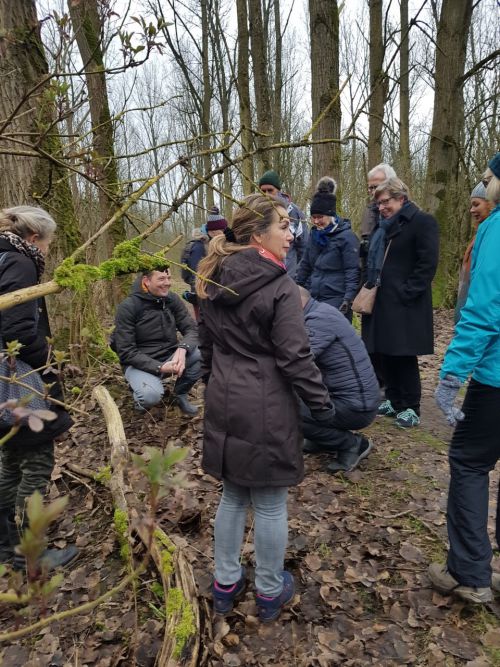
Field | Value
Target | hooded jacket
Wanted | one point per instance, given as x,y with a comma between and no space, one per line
331,272
255,356
475,348
146,329
341,357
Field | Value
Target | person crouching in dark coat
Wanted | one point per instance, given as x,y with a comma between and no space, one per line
27,458
145,340
329,268
348,374
255,360
400,327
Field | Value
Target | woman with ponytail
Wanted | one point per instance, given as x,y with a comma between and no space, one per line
255,359
329,268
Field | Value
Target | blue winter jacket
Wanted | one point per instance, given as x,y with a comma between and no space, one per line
341,356
331,273
475,348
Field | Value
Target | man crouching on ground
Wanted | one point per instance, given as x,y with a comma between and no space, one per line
145,339
348,374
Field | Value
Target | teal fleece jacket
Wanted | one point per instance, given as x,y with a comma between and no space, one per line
475,348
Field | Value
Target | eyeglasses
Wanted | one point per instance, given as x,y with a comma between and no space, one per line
384,202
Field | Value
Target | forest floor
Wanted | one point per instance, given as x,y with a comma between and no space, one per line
359,547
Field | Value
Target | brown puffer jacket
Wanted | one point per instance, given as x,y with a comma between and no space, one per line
256,353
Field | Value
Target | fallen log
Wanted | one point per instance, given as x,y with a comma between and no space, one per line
181,639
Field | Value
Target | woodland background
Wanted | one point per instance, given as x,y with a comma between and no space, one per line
128,121
191,101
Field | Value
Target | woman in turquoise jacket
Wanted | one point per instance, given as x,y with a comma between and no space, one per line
475,448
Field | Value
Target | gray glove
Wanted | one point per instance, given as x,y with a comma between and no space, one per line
445,395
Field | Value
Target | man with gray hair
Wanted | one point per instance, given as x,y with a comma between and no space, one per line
376,176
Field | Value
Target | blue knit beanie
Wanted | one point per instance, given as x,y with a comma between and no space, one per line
494,164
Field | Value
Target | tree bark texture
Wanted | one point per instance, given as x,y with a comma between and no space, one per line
27,114
261,83
404,169
87,26
324,38
378,85
243,84
444,149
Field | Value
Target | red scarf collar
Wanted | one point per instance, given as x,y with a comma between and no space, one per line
268,255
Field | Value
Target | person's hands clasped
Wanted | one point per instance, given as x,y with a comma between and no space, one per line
177,364
445,395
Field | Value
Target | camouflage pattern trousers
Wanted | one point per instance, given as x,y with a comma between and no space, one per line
24,470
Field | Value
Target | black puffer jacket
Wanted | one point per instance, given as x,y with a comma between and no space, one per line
146,329
341,357
28,324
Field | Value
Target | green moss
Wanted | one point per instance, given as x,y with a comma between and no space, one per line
166,548
127,258
185,628
104,476
120,521
75,276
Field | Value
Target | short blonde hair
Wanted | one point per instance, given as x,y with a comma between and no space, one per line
493,187
394,186
27,220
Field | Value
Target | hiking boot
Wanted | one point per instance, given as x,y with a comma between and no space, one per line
310,447
50,559
185,406
445,584
225,596
349,459
270,608
385,409
6,550
407,418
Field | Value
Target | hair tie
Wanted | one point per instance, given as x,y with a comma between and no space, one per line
229,234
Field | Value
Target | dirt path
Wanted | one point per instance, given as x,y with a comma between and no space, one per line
359,548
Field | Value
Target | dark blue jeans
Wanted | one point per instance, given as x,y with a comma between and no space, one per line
474,452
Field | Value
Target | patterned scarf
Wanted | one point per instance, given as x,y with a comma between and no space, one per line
28,249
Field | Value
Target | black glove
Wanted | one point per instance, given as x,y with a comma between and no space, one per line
363,247
344,307
326,416
190,297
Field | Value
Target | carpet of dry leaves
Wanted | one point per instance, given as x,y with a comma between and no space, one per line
359,547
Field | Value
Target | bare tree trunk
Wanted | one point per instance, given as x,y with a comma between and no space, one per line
87,26
378,85
207,96
441,185
244,94
30,117
261,83
278,81
324,38
404,169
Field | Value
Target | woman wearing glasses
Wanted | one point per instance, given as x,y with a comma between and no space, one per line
401,327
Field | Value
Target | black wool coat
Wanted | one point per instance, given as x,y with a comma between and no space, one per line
256,357
401,323
28,324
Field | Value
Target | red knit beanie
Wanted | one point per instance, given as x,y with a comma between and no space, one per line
215,220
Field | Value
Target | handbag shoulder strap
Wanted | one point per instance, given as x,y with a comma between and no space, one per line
385,254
